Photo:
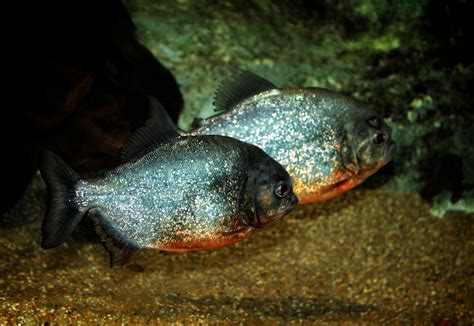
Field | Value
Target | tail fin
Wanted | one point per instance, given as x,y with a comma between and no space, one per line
63,213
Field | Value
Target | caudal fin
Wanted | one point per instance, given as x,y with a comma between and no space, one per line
63,213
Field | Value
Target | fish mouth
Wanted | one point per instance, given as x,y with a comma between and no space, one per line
346,179
390,152
258,224
274,219
368,171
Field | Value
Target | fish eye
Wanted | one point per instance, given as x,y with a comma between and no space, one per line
374,122
378,138
282,190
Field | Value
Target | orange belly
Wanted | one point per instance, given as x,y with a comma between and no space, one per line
336,185
201,244
325,193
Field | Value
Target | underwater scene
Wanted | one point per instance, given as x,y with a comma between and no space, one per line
223,162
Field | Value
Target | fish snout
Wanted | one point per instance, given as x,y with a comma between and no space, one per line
275,215
293,200
393,147
391,150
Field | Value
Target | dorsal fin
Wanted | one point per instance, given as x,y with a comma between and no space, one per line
239,87
158,129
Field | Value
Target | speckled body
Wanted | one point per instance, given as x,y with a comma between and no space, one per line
302,129
183,195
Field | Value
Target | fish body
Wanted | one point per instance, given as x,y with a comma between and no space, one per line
328,142
189,193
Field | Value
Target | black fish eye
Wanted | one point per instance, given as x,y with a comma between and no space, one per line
379,138
282,190
374,122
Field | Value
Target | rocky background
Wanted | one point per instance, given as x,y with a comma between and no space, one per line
79,86
410,60
75,81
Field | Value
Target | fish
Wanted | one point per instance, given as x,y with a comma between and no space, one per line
328,142
172,193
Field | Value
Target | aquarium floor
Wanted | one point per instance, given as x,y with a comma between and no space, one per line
370,256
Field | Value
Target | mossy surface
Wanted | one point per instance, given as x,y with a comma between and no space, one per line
408,59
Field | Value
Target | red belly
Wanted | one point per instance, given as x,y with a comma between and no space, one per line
201,244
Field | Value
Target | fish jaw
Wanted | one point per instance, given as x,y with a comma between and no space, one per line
217,241
341,183
306,197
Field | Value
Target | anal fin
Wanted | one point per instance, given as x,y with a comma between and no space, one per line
121,249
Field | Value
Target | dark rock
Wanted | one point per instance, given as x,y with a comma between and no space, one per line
443,173
77,81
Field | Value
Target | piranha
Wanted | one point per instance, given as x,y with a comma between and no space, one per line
328,142
174,193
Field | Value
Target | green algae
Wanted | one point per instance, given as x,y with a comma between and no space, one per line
392,55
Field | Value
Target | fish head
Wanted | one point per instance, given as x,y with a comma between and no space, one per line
366,146
267,195
360,143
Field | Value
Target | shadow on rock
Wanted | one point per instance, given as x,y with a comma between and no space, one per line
76,83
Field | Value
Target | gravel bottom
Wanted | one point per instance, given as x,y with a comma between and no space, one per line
368,257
